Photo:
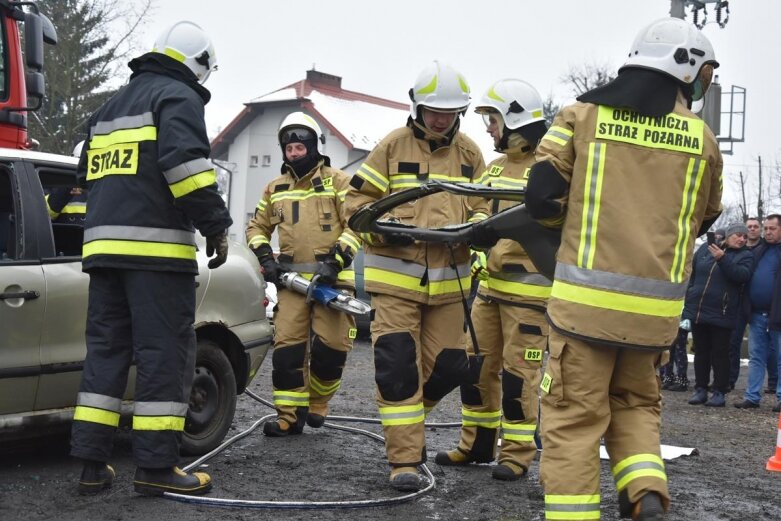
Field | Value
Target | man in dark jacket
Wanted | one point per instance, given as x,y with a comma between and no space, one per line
719,271
763,305
150,185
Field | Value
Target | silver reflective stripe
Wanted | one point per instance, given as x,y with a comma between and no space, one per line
187,169
465,416
566,507
440,274
534,279
99,401
561,135
588,237
519,429
160,409
395,265
139,233
125,122
621,283
638,466
299,267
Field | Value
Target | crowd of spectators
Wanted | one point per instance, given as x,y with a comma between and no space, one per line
735,282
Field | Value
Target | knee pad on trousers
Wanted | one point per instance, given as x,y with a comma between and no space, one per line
512,387
451,369
484,447
326,363
396,371
288,364
470,395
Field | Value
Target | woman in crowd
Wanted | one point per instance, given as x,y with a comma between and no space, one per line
720,269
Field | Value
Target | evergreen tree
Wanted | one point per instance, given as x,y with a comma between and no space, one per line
81,70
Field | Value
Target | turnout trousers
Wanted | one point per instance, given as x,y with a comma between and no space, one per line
419,357
590,392
311,342
512,341
146,318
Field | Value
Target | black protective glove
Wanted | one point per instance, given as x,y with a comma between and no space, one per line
483,237
268,264
337,259
397,239
217,244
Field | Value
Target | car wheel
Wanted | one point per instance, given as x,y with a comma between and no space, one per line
212,400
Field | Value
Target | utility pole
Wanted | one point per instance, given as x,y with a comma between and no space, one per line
678,9
760,200
743,193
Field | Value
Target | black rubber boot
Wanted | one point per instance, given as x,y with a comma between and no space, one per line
453,458
156,482
95,477
279,429
649,508
315,420
507,472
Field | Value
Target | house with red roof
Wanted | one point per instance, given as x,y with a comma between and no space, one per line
248,151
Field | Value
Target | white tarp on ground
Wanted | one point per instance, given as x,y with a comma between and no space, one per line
668,452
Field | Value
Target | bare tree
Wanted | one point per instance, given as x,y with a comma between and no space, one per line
583,78
96,38
550,108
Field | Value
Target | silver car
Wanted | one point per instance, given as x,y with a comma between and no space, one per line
43,305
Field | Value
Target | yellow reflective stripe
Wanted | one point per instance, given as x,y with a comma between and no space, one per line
669,132
518,432
367,238
483,178
688,203
173,53
638,466
52,213
291,398
321,388
558,135
489,419
158,423
346,275
616,301
300,195
127,135
257,240
572,507
93,415
139,248
350,240
75,208
477,217
262,205
413,283
591,204
193,183
402,415
516,288
373,177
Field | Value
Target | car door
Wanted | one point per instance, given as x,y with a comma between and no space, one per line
22,306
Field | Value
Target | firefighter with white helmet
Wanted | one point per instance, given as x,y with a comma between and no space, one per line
626,154
151,185
509,311
419,344
305,204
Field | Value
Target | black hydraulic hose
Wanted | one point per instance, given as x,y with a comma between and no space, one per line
303,505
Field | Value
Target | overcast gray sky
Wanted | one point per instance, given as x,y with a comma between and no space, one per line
379,48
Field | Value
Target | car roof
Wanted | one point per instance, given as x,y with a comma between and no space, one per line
11,153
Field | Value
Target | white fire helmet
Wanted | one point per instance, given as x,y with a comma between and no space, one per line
516,101
676,48
78,148
187,43
439,87
299,120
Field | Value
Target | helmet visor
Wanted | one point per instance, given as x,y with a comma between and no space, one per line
703,82
296,135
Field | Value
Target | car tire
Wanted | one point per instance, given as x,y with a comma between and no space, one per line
212,401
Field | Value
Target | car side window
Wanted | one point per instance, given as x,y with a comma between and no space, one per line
7,218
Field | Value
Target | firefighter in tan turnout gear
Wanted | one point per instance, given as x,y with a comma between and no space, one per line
311,341
508,313
417,327
633,176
